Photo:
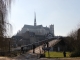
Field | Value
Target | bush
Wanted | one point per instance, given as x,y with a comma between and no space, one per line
2,53
75,54
42,55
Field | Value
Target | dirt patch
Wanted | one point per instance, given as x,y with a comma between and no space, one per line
5,58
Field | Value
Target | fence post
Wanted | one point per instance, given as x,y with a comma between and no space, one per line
33,48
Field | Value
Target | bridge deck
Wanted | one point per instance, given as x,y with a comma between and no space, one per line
39,48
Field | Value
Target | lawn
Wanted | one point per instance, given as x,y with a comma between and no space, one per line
56,54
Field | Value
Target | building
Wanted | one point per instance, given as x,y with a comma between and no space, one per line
33,33
37,29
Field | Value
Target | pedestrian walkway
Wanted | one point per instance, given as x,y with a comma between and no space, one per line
5,58
27,56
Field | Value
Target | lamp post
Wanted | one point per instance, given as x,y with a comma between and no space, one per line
9,45
33,48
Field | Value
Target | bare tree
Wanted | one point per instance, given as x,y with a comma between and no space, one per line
73,34
4,9
74,42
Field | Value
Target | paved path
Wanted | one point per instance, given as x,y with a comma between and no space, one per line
39,50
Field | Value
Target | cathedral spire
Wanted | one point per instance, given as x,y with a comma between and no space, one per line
34,19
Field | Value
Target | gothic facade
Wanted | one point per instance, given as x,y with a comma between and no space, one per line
37,29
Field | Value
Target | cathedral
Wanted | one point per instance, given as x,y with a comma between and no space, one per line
37,29
33,33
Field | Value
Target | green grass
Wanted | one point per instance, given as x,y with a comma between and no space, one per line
56,54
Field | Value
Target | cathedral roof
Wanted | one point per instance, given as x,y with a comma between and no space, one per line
46,28
32,27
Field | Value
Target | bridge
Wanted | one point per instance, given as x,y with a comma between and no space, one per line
37,46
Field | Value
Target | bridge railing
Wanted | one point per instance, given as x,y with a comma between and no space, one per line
28,47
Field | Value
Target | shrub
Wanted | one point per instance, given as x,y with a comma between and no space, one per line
75,54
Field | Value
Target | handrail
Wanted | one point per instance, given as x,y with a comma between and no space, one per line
43,41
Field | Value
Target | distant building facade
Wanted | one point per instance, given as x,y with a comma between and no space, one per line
37,29
33,33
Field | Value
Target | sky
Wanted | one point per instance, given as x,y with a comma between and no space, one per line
64,14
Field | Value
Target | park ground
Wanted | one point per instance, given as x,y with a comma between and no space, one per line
53,56
6,58
56,54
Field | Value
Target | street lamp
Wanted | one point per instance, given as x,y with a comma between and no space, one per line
9,45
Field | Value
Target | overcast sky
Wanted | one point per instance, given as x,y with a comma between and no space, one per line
64,14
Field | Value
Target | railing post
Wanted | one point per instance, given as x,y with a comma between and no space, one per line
47,44
9,45
22,50
33,48
48,49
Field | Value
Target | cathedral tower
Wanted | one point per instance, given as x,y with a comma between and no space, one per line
35,19
52,29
